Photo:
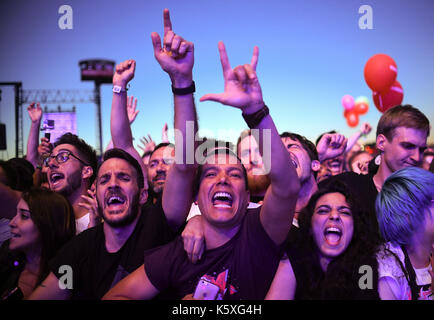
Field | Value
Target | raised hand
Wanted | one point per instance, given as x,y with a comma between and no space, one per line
176,57
124,73
331,146
148,145
242,89
89,202
131,109
35,112
164,135
365,129
44,148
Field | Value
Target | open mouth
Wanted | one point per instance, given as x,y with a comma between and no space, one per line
15,235
56,177
333,235
294,163
222,200
114,200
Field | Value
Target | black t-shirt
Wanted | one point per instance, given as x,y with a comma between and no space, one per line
95,271
243,268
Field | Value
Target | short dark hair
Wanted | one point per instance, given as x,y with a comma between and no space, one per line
402,116
161,145
19,173
306,143
122,154
86,151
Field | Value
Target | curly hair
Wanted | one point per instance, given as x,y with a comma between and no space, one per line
340,281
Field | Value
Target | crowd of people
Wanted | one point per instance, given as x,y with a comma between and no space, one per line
275,216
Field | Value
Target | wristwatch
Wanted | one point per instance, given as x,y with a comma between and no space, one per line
254,119
118,89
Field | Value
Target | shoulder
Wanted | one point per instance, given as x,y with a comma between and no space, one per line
390,257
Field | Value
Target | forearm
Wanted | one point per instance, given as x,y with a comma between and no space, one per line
276,159
119,124
178,190
353,140
186,127
32,144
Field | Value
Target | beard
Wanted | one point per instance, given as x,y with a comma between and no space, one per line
73,182
258,184
127,219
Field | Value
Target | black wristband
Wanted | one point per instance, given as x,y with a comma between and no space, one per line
254,119
184,91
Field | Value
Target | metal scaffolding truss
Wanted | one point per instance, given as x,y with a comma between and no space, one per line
50,96
59,96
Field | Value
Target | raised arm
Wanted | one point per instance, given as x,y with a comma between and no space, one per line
331,145
132,114
119,122
35,114
242,90
176,57
365,129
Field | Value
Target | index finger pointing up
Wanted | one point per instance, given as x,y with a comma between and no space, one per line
224,57
167,22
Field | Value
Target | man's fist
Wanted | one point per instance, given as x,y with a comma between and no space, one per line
331,145
124,73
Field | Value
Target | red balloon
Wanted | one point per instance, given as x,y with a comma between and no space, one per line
380,72
390,99
352,118
361,108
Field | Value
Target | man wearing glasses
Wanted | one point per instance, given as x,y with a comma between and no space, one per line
71,170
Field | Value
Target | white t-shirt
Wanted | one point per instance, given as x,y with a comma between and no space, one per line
82,223
388,266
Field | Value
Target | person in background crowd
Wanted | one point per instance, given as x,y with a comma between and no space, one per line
402,133
71,171
334,242
405,210
359,162
44,222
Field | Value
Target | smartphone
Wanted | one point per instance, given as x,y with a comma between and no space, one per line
206,290
48,135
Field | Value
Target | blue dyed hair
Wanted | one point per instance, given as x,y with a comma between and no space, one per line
402,203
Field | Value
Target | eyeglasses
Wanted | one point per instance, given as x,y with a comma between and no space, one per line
62,157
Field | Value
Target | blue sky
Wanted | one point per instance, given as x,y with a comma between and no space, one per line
312,52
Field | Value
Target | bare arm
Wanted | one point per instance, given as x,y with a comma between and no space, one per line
135,286
365,130
176,57
35,114
49,289
132,114
387,288
284,283
119,122
242,90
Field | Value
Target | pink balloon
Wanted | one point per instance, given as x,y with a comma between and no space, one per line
348,102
